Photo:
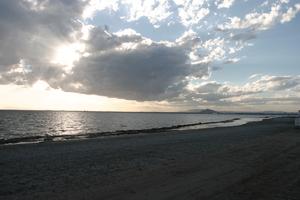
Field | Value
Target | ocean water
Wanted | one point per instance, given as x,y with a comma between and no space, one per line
22,124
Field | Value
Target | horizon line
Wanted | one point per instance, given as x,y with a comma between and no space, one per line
114,111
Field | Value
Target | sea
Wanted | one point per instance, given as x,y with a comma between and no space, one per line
22,126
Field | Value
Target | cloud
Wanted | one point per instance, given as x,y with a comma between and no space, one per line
244,36
31,25
123,64
189,12
277,101
52,41
275,83
128,66
241,29
290,14
29,34
154,10
192,12
147,72
232,60
256,21
224,3
260,89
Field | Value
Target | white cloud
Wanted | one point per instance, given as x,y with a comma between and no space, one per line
274,83
224,3
262,21
192,12
156,11
262,89
99,5
290,14
255,20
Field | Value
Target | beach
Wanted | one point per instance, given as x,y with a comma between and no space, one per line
258,160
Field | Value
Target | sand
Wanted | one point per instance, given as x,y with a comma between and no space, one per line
259,160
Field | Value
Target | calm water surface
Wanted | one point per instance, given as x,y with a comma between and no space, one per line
16,124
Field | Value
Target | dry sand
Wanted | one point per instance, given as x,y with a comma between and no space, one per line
259,160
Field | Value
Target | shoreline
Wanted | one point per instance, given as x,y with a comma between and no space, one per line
258,160
191,126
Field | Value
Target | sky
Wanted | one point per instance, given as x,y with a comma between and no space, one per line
150,55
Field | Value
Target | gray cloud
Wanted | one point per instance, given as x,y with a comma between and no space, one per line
265,90
282,82
30,32
152,71
266,100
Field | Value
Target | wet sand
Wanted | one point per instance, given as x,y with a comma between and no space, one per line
259,160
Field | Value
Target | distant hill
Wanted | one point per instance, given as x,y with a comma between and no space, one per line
260,113
203,111
210,111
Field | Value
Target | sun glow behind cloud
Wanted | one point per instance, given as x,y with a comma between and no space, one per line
67,54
